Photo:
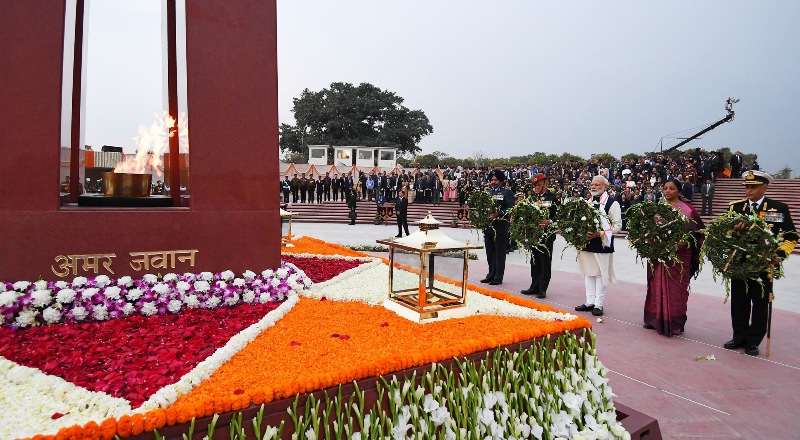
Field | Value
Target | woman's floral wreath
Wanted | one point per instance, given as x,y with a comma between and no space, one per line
744,254
577,217
654,229
525,229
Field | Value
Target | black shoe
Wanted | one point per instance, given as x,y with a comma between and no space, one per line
495,282
541,295
752,350
649,327
487,279
584,307
398,236
733,344
597,311
528,292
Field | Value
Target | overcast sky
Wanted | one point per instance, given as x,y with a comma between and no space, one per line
516,77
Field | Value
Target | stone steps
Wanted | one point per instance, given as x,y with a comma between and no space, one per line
338,212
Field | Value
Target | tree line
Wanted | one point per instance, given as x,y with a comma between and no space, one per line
344,114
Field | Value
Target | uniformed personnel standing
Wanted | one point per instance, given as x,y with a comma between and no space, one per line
542,260
295,182
496,237
303,188
749,303
286,186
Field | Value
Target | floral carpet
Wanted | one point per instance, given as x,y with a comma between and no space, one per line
320,325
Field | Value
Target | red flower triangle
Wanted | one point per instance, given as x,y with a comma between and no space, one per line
321,269
131,358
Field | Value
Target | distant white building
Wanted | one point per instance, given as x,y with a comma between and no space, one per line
387,157
318,154
343,156
364,157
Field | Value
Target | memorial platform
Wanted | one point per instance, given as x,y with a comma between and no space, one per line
735,396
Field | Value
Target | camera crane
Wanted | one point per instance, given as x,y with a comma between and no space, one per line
728,118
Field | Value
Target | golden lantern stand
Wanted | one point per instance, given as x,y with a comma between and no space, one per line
426,299
286,237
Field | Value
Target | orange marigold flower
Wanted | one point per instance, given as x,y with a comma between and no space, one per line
137,424
108,429
124,426
69,433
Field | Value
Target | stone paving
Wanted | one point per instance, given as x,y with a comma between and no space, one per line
734,396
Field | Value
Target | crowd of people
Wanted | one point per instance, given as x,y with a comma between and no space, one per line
630,181
666,301
611,187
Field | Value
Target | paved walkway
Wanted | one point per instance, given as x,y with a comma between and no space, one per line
733,397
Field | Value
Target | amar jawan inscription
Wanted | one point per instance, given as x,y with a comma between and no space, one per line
88,264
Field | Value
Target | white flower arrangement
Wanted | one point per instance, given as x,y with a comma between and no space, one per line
102,280
65,296
546,399
7,299
367,283
112,292
37,396
51,315
77,282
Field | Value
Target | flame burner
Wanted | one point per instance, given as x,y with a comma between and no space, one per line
125,190
127,185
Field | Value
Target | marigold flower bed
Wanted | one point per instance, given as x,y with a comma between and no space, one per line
315,246
322,343
304,355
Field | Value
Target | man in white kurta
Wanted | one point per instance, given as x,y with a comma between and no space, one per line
596,260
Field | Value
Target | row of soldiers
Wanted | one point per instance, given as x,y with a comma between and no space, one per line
304,188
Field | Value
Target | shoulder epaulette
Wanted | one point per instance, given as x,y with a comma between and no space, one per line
737,201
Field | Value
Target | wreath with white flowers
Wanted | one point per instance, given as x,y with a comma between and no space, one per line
525,230
576,218
481,207
742,254
654,229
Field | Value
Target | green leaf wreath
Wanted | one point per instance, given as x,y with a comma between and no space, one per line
654,229
525,229
577,217
743,254
481,207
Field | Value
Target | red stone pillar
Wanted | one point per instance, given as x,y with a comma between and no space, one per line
233,221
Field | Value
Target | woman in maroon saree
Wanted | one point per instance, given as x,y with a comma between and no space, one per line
668,283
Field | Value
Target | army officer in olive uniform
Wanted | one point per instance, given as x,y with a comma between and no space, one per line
542,260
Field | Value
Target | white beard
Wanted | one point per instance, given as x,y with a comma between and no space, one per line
596,193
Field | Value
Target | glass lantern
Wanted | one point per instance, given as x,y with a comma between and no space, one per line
428,270
286,228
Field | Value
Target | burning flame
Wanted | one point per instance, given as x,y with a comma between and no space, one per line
152,143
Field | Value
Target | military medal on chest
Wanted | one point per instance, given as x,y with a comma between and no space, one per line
772,216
